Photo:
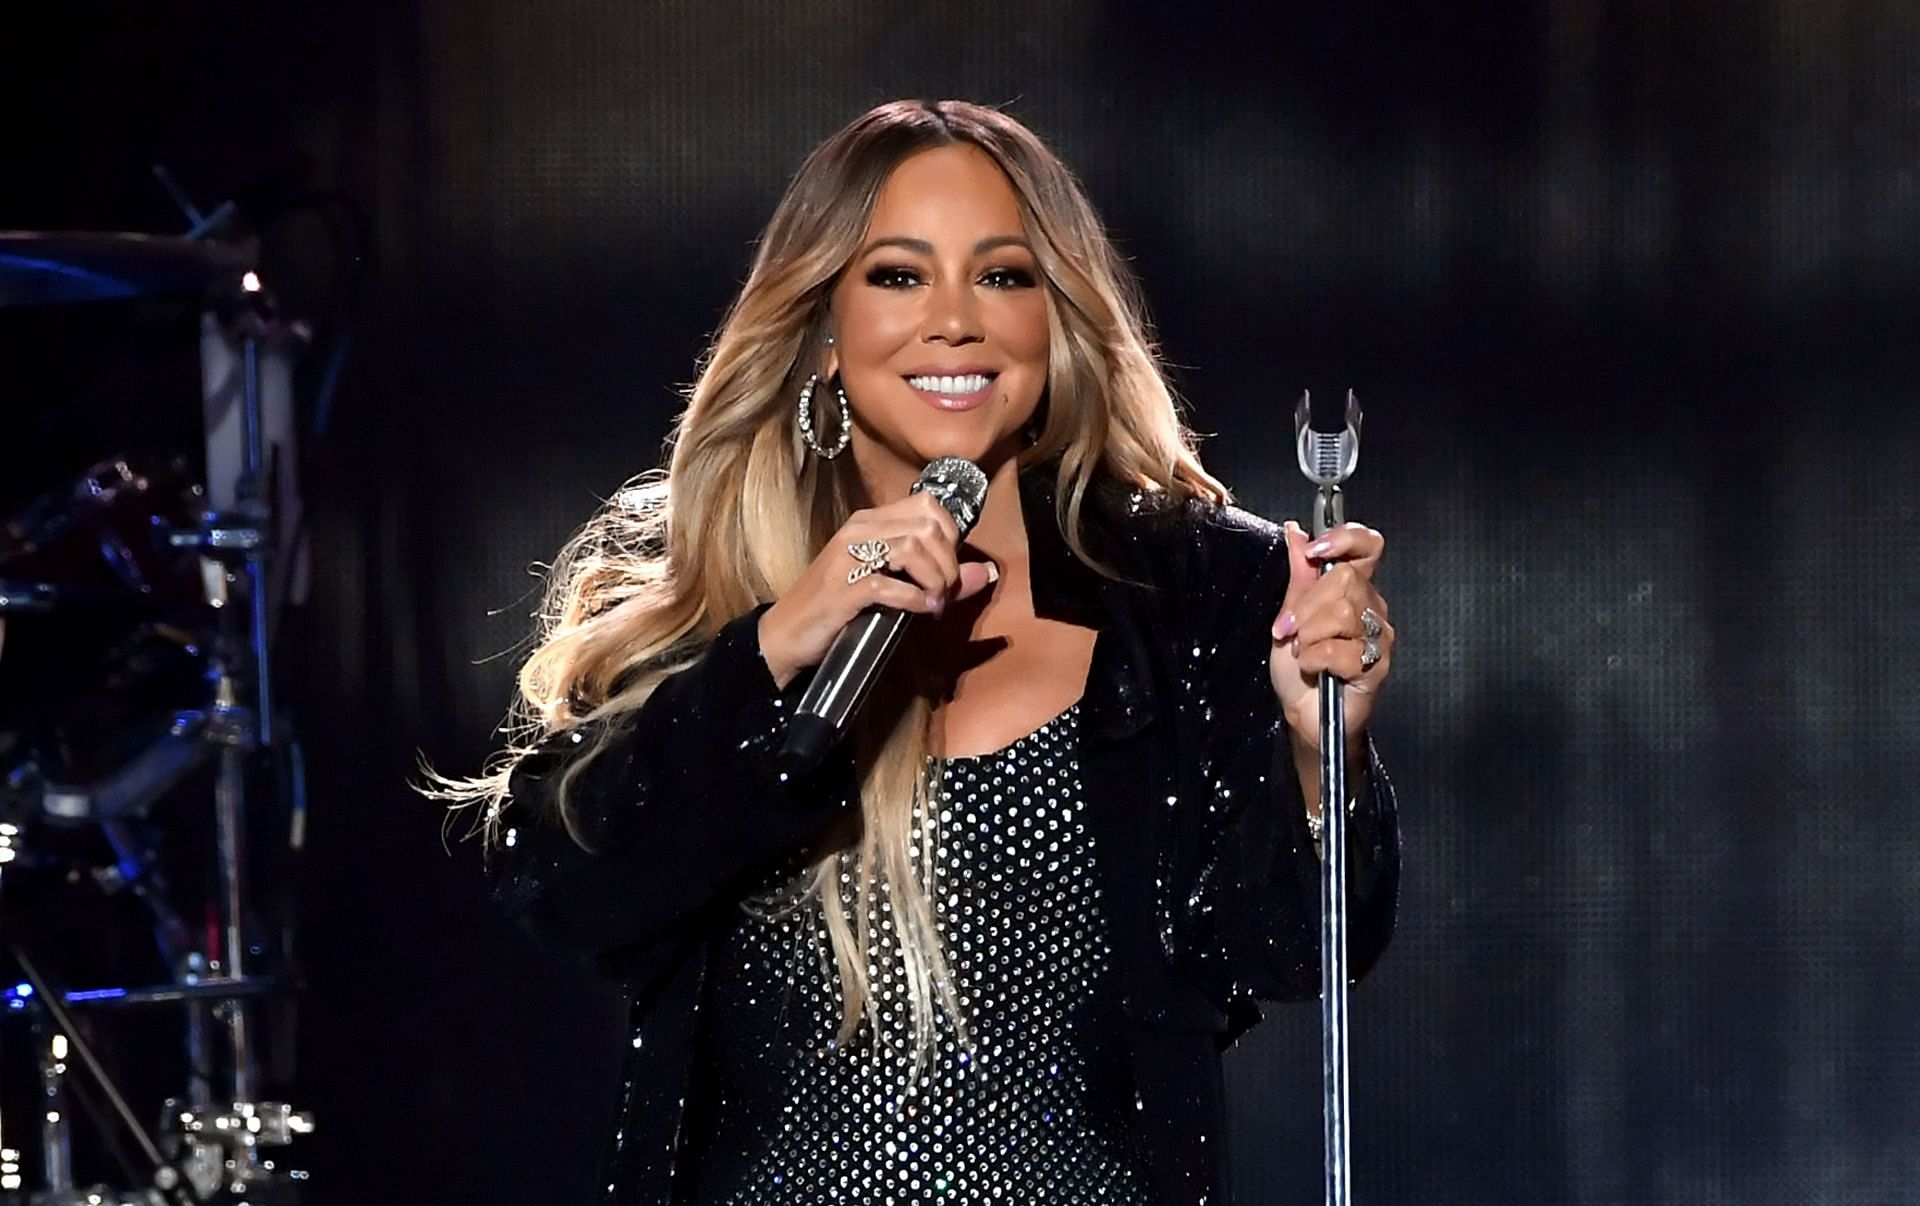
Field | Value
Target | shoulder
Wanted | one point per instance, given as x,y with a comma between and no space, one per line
1234,556
1202,541
1233,532
1215,576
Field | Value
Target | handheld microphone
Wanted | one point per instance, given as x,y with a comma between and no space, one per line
857,656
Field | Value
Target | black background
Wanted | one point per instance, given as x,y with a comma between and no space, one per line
1629,292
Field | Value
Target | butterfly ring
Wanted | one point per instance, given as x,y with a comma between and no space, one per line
872,556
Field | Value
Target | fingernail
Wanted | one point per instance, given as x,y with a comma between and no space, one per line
993,572
1294,646
1319,548
938,603
1283,628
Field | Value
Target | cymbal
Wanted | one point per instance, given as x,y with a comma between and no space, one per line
47,267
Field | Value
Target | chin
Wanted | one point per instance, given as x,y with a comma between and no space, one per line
972,450
983,446
986,453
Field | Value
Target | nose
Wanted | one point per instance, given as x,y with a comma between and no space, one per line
953,313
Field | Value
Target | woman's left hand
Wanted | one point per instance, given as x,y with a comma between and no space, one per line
1320,627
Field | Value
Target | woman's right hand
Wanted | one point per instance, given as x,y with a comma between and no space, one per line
923,543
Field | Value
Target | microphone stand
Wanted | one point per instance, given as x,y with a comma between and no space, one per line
1329,451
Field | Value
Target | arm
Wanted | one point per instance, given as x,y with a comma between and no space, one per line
1253,911
679,812
682,810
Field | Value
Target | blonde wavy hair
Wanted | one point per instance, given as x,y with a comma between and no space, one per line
637,592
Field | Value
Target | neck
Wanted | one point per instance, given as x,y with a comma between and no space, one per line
1000,532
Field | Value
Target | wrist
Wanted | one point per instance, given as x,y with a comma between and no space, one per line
778,665
1306,753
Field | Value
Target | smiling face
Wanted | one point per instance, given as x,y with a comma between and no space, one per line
940,321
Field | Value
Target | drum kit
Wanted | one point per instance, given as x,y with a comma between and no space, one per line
152,807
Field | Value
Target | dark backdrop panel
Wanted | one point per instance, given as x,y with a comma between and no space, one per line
1628,291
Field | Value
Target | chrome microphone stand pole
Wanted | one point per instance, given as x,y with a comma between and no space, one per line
1329,450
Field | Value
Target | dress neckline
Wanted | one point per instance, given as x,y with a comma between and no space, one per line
1054,721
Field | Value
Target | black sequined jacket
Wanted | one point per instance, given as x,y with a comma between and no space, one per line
1205,863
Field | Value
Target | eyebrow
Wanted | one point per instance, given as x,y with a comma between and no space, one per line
922,247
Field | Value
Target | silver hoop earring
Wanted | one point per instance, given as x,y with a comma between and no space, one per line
805,420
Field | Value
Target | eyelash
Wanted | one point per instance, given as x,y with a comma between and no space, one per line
888,276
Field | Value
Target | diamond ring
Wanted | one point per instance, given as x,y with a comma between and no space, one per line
1371,628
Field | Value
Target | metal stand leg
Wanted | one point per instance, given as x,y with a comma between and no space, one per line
199,1024
56,1127
229,820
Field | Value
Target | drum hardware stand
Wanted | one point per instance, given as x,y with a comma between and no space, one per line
11,1180
218,1150
1329,450
188,1177
175,941
165,1177
210,1148
217,1141
240,723
242,540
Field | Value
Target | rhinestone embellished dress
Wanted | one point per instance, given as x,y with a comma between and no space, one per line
1038,1110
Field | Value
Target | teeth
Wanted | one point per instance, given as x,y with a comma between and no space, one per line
972,383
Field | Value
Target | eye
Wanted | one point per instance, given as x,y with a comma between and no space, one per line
1007,278
892,276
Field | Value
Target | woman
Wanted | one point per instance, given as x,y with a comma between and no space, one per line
991,949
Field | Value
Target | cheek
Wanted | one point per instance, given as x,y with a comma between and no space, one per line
1020,328
872,324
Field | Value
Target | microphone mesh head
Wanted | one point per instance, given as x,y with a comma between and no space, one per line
958,485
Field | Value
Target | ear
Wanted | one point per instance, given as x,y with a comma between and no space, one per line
830,359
